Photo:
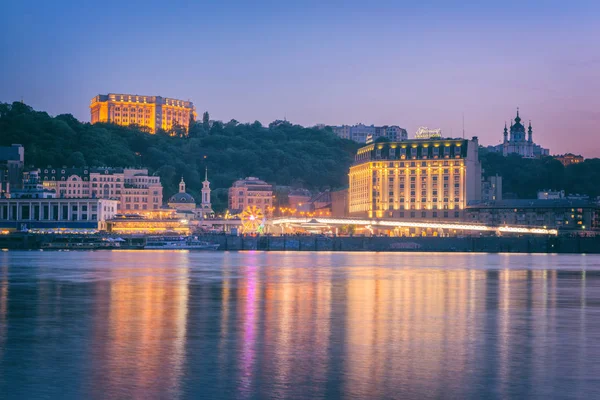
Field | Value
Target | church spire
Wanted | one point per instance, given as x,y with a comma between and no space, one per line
517,119
205,174
530,133
505,133
182,186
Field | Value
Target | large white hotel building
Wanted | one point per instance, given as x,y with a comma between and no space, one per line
421,179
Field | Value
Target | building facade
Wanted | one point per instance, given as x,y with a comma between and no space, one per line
425,133
299,199
150,112
32,188
568,159
250,192
362,133
491,188
339,203
12,160
134,188
518,143
185,204
426,179
55,213
562,214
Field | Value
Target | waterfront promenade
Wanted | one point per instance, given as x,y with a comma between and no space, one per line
483,244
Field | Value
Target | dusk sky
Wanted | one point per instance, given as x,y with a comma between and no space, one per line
403,63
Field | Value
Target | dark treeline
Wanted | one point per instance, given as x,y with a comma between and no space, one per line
282,153
523,177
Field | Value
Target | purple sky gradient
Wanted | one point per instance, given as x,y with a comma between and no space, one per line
339,63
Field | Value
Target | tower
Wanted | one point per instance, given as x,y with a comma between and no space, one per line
530,133
517,130
182,186
505,133
206,206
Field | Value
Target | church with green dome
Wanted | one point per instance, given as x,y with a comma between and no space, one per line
185,203
520,141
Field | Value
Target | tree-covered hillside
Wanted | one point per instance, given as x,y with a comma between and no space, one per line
523,177
282,154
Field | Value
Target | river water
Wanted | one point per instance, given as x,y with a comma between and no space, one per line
254,325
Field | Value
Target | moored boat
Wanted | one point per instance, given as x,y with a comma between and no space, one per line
178,243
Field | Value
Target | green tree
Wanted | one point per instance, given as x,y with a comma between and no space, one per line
206,121
76,159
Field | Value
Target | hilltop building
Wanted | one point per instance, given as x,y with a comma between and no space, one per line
362,133
250,192
517,143
569,158
151,112
424,179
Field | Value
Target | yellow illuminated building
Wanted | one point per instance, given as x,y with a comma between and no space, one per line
148,226
151,112
425,179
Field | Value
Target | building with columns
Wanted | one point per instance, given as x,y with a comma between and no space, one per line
21,214
520,143
415,179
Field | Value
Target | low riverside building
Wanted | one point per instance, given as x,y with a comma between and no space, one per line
415,179
133,187
339,203
299,199
55,214
124,225
250,192
562,214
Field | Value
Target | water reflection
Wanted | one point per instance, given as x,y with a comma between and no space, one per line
3,300
300,325
140,337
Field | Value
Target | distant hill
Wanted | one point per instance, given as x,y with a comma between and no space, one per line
282,153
